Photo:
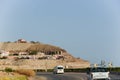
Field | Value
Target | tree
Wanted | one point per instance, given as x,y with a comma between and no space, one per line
110,64
32,42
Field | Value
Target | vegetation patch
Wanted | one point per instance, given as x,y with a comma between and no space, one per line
27,72
115,69
17,77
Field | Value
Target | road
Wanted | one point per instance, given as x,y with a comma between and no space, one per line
70,76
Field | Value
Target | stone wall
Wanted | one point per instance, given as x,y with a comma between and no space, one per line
40,64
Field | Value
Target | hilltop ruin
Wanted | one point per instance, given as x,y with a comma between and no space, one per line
36,55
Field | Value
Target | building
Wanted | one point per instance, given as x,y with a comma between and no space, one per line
21,41
4,53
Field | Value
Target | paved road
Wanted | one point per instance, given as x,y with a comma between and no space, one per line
70,76
115,77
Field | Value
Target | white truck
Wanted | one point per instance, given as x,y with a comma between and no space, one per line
98,73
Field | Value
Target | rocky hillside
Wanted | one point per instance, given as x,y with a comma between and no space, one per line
17,47
14,46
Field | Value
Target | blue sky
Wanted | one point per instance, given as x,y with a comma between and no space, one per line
89,29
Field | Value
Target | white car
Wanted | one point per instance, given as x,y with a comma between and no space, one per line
98,73
58,69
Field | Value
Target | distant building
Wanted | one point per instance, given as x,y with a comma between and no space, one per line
21,41
4,53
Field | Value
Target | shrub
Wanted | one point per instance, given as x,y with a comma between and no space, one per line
27,72
33,53
8,69
4,57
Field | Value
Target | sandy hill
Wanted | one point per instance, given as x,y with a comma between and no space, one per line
69,60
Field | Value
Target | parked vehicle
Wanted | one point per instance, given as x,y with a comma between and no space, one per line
98,73
58,69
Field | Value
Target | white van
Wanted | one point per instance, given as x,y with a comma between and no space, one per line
58,69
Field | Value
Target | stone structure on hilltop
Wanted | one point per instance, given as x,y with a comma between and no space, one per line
22,41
